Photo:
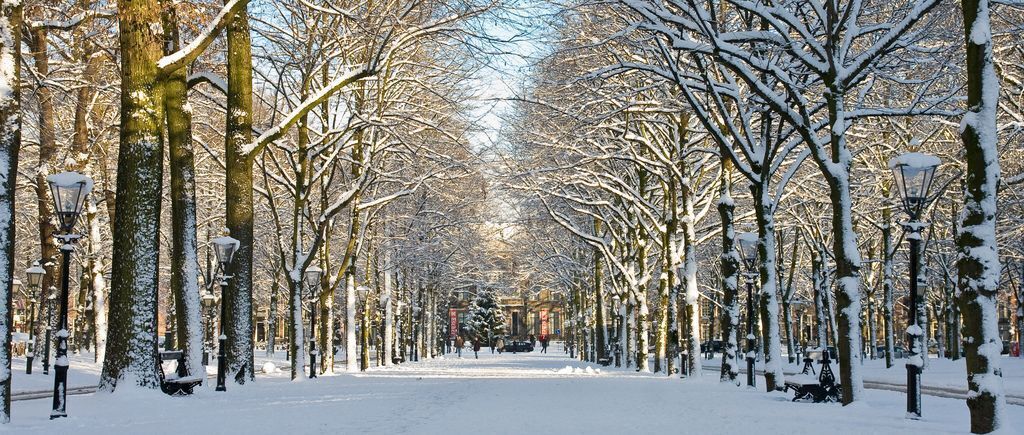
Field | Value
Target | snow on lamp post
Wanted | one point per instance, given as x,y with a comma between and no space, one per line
914,173
224,248
311,279
69,190
748,253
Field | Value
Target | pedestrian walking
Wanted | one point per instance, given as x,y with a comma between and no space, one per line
543,344
476,348
500,345
459,342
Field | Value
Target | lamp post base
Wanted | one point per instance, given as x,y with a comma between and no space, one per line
913,392
28,364
222,364
750,373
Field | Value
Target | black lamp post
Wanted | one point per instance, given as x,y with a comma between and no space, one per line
69,190
35,284
208,302
914,173
30,348
224,248
748,252
312,282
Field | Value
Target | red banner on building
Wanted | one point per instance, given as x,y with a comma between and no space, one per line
453,322
543,322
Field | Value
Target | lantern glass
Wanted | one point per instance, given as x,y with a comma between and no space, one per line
312,277
225,247
748,248
362,291
16,285
208,298
35,275
914,174
69,190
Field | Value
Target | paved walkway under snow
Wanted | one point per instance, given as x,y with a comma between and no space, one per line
523,393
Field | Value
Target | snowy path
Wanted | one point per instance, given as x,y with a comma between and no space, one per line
524,393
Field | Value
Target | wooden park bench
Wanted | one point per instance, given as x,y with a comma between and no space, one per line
604,361
180,383
809,388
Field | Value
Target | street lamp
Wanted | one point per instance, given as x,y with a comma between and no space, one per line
35,282
748,253
914,173
224,248
30,347
208,302
69,190
312,281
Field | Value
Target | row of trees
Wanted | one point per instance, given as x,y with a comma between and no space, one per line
647,118
345,128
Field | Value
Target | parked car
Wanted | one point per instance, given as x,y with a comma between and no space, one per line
716,346
518,346
898,352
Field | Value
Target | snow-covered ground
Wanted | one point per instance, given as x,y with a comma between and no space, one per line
522,393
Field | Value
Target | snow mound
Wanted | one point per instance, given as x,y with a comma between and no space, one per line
570,370
270,368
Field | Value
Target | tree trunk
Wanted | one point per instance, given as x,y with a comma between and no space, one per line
275,289
599,326
47,148
131,340
296,334
184,240
388,311
978,261
688,278
730,266
239,198
10,143
764,212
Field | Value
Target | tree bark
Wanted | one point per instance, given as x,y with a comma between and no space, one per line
978,260
184,243
132,341
730,267
47,148
239,197
10,144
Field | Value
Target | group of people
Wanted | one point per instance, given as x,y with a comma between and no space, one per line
499,345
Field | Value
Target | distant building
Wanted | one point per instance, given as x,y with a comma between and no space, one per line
544,314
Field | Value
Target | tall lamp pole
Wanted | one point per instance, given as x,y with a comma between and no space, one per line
31,345
35,284
69,190
208,302
914,173
748,250
312,281
224,248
